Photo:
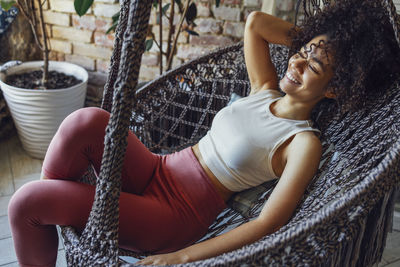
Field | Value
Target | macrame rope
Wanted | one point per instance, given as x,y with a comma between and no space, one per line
103,219
394,18
115,58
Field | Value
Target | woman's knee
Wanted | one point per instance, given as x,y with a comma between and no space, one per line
25,201
85,122
78,141
51,202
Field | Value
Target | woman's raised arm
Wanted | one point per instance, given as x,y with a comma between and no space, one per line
262,29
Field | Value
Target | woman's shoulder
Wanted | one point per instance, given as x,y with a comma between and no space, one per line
306,140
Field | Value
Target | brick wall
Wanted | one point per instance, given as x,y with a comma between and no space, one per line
397,4
217,26
286,9
82,40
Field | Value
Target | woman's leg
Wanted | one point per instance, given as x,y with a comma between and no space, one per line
37,207
165,218
149,223
79,142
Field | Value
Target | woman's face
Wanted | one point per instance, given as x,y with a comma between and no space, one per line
309,72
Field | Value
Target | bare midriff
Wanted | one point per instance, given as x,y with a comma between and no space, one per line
224,192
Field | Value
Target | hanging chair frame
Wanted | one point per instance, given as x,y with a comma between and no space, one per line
365,206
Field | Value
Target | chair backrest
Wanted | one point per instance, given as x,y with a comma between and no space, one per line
176,110
360,165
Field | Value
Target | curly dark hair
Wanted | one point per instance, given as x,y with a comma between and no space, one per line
366,53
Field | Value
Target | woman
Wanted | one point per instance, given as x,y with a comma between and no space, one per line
168,202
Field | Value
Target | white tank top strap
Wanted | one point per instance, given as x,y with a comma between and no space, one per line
283,139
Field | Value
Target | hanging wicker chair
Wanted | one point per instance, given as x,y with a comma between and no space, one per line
346,212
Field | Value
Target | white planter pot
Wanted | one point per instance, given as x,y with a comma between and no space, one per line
37,114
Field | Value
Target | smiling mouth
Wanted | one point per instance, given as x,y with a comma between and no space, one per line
291,78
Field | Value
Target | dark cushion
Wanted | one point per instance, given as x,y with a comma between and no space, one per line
245,202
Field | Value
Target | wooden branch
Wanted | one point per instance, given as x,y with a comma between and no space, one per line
31,10
158,45
171,29
160,34
45,49
27,9
169,63
22,9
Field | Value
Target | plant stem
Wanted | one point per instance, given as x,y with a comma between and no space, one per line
160,34
45,49
171,29
157,44
170,56
27,8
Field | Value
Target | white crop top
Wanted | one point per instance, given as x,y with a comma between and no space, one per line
244,136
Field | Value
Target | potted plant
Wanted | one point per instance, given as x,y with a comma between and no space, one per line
40,94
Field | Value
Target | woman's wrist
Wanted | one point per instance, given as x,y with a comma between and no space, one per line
183,256
270,28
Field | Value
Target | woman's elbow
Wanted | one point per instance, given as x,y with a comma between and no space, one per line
267,227
253,20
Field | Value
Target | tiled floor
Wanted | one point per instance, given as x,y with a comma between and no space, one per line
17,168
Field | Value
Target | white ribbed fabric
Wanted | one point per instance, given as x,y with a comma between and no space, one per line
244,136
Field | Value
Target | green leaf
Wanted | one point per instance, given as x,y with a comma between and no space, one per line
82,6
217,2
6,4
115,20
115,17
192,32
155,4
149,44
165,8
112,28
191,13
179,5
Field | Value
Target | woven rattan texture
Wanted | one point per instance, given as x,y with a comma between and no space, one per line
176,110
346,211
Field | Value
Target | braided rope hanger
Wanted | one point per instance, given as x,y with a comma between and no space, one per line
122,80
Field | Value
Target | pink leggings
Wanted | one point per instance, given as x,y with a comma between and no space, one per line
166,203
